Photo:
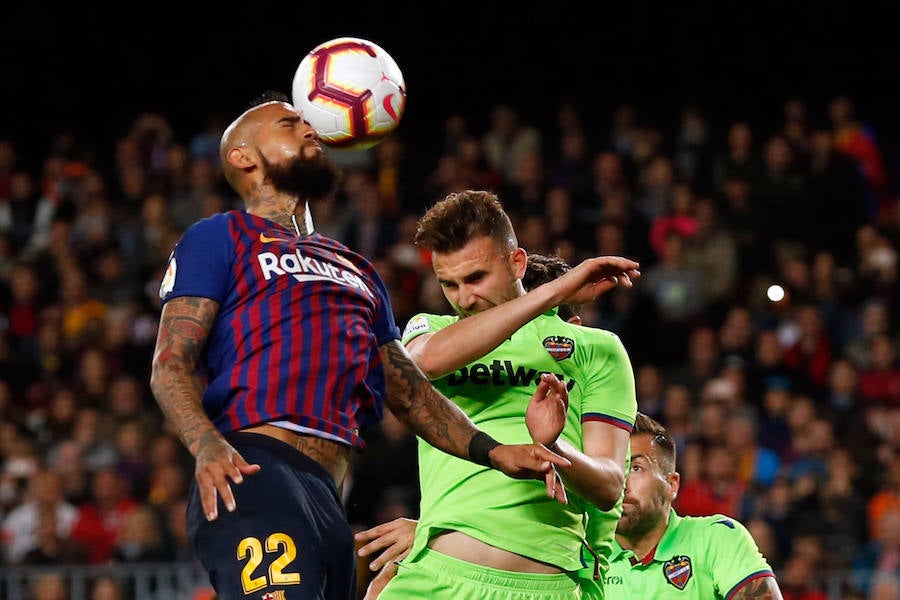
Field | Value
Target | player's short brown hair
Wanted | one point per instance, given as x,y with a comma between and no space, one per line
462,216
665,446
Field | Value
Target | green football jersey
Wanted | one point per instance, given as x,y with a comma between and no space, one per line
699,558
494,391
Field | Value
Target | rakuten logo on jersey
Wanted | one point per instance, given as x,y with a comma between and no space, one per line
501,373
304,268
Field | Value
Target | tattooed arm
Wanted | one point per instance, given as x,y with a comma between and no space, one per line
764,588
441,423
184,326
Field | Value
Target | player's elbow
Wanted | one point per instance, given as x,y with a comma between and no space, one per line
399,405
163,374
156,378
609,497
428,365
608,493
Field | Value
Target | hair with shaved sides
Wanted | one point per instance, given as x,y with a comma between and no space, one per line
462,216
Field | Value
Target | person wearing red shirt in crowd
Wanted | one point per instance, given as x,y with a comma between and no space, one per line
880,381
98,522
717,491
809,358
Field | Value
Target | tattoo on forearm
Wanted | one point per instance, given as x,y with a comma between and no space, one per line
421,407
764,588
184,327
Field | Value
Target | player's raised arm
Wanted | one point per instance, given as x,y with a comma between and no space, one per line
441,423
184,327
455,346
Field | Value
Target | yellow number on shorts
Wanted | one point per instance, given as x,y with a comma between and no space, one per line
288,554
252,547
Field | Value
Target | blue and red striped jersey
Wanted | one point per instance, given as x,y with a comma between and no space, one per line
300,321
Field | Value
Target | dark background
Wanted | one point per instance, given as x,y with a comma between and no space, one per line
92,70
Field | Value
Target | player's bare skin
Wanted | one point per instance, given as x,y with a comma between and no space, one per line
183,330
332,456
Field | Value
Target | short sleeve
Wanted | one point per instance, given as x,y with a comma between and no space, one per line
424,323
385,327
201,263
735,557
609,388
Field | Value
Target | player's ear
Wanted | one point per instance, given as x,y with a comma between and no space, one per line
674,481
519,260
238,158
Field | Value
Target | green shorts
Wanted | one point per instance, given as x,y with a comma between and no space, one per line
591,589
436,576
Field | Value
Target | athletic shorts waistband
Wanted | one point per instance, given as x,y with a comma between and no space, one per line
438,563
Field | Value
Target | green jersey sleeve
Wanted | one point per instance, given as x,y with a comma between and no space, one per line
609,389
734,557
425,323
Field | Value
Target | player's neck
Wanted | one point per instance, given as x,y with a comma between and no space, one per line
300,221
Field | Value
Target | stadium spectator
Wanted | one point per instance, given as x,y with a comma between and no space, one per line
100,520
21,526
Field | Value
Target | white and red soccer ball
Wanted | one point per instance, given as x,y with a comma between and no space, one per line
351,91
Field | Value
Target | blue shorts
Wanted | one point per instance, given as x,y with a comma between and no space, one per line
288,537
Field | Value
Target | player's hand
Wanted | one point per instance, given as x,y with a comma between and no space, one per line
394,537
217,462
379,581
545,416
526,461
595,276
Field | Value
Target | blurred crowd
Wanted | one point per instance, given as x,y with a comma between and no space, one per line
763,333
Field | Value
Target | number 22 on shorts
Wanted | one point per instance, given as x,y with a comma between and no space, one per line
252,549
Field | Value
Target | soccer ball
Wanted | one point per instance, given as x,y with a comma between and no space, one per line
351,91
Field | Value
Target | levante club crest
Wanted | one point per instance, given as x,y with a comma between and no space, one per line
559,347
678,571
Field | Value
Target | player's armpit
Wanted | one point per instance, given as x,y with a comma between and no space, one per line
761,588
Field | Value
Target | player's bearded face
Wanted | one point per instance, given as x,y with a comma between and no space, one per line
647,491
311,178
643,509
